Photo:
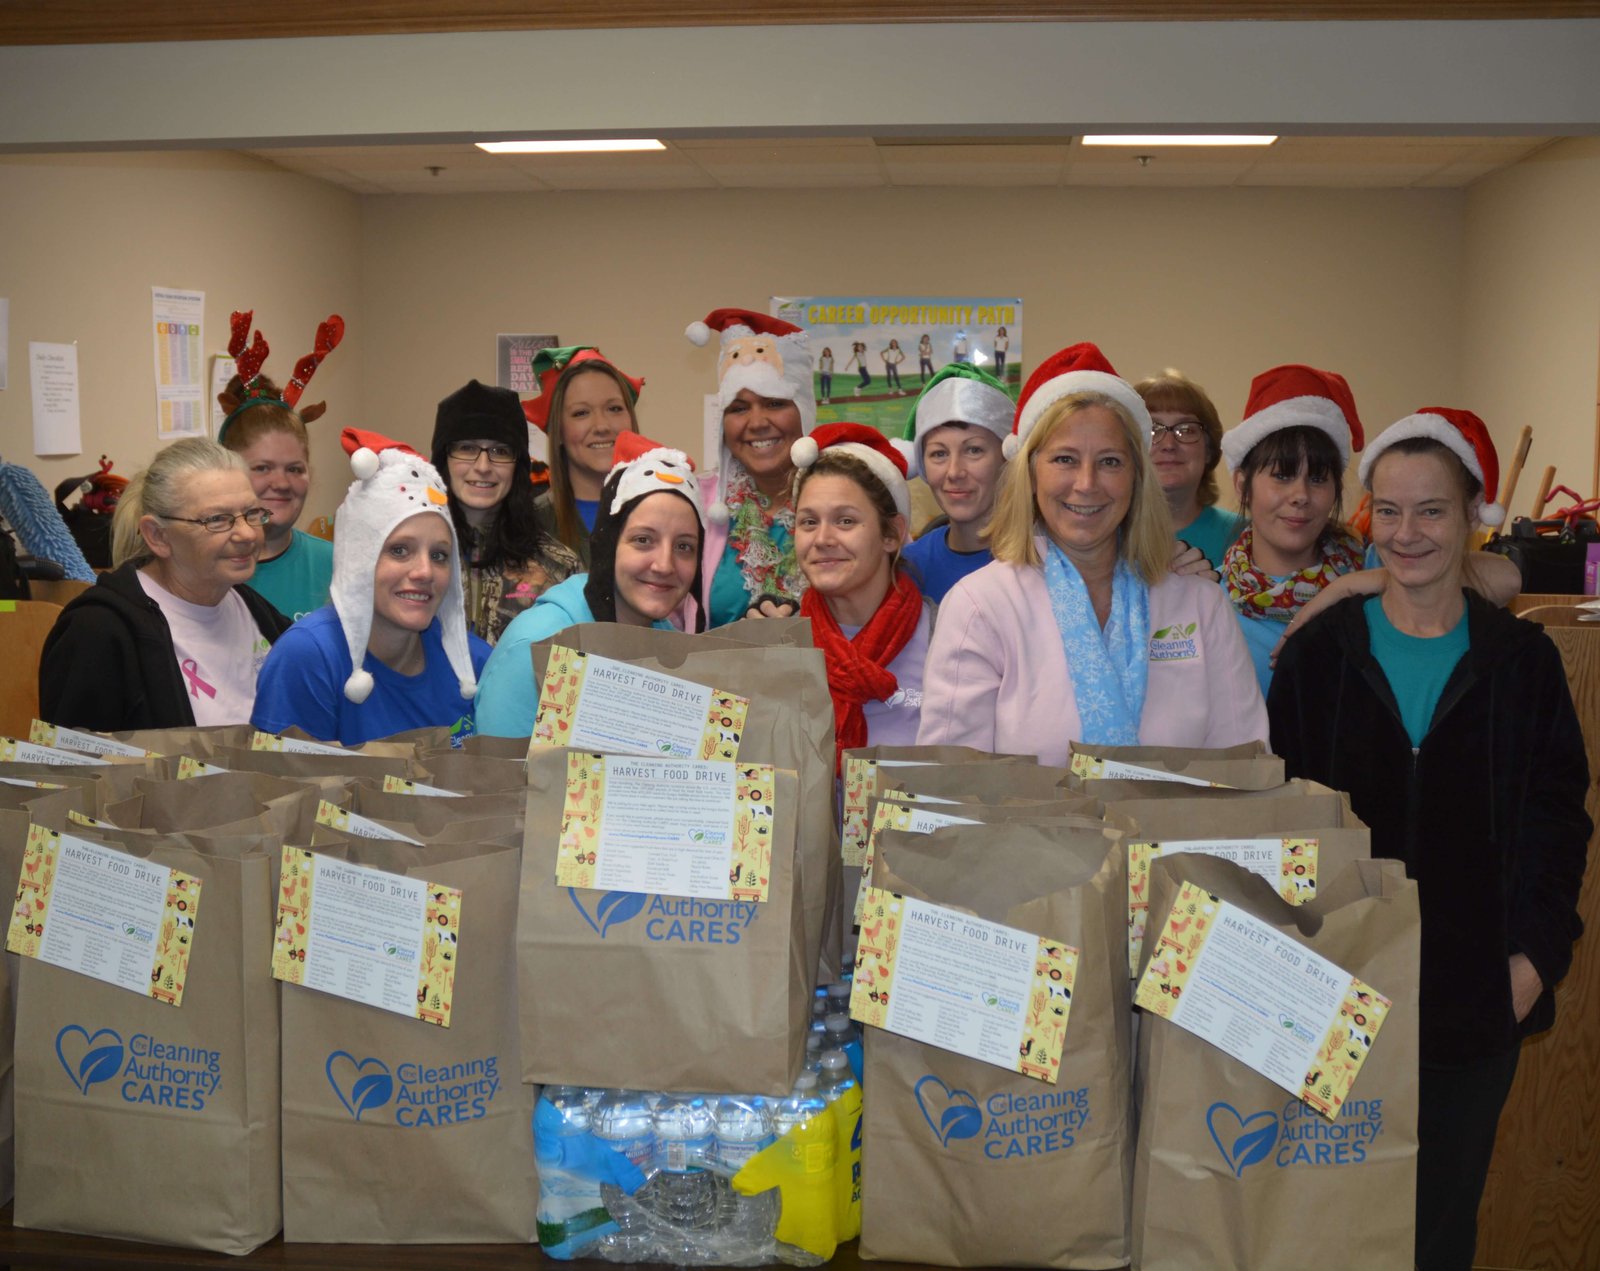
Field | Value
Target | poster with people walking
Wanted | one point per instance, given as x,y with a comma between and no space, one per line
872,354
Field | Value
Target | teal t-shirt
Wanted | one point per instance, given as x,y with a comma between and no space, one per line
1213,532
729,598
296,581
1417,667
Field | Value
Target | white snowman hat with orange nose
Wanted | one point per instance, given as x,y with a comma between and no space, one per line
392,484
648,467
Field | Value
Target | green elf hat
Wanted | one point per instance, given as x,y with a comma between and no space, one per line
958,394
548,364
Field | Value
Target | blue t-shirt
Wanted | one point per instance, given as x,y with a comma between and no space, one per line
1213,532
508,698
1261,636
1417,667
296,581
302,684
937,566
587,509
730,600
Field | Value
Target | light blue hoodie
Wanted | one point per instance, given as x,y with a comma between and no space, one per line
507,697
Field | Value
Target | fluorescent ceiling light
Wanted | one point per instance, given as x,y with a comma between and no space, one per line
570,147
1162,140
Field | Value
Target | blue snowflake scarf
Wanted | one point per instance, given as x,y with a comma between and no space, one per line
1108,668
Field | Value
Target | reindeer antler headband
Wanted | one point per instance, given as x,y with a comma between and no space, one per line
250,356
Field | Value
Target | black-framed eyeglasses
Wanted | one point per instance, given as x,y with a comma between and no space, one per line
1187,433
469,451
222,522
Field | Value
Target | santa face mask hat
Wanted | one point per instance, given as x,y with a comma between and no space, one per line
770,357
392,484
1295,396
885,460
1079,368
1465,436
958,393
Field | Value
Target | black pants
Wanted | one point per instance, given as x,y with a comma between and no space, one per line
1456,1122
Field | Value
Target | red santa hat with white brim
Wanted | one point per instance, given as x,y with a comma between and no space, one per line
1079,368
1464,435
885,460
1295,396
392,484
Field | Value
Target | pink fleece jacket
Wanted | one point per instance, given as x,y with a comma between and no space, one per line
997,675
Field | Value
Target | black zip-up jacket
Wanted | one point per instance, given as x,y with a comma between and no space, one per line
1487,814
109,665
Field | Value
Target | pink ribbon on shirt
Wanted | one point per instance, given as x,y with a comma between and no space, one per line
196,684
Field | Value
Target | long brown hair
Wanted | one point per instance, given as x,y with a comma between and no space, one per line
569,525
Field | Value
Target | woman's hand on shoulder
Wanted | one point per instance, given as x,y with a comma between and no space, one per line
1191,560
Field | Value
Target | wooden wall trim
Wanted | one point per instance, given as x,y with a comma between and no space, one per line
25,22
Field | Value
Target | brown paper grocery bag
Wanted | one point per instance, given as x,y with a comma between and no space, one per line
470,773
963,1162
143,1121
326,770
789,725
13,838
658,992
1234,1172
1247,766
396,1131
992,783
432,813
196,742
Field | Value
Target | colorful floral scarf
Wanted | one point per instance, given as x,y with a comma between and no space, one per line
1108,667
768,570
1261,595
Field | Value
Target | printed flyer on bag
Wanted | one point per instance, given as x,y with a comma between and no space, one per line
668,827
105,914
387,940
1296,1018
981,989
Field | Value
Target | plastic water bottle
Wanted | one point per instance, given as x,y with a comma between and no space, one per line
803,1103
839,997
621,1120
835,1074
841,1030
815,1045
744,1128
683,1194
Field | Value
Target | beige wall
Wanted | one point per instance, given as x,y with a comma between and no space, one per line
1220,283
86,236
1532,266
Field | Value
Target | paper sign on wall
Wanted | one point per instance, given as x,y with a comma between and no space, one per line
105,914
981,989
596,703
1279,1008
670,827
384,939
54,374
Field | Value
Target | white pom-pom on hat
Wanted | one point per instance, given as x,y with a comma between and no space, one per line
469,687
718,513
1491,515
698,333
1010,446
364,465
803,453
359,686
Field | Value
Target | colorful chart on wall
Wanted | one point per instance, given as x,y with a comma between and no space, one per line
872,354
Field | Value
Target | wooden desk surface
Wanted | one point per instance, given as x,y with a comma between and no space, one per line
21,1249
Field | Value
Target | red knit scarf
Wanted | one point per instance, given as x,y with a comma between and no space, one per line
858,669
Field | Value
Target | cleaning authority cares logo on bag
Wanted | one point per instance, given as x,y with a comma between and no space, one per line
1009,1124
669,919
422,1096
152,1071
1294,1135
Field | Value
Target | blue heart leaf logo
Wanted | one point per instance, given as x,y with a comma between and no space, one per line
1241,1140
100,1060
613,907
950,1114
367,1090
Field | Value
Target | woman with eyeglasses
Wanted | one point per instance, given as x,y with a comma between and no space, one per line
172,636
1185,448
480,446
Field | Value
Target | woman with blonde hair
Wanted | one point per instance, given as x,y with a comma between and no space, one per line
1078,630
172,636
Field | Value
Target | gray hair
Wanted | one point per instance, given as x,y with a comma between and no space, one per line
159,489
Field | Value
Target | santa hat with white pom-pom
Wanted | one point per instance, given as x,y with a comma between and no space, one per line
1464,435
885,459
1078,368
768,356
392,484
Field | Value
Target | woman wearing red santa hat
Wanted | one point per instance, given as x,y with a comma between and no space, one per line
1078,631
1451,726
768,401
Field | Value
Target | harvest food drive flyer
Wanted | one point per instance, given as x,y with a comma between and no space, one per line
1088,766
105,914
1298,1019
387,940
859,779
595,703
671,827
981,989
